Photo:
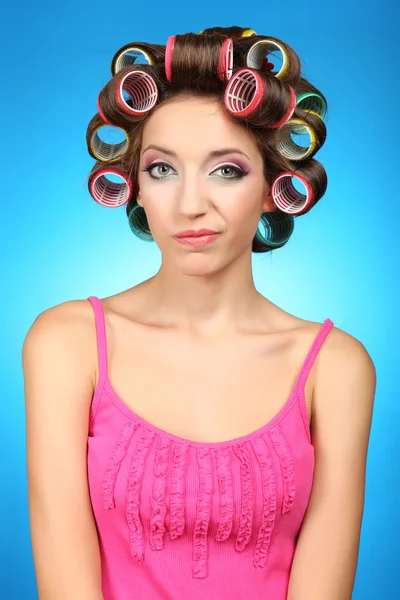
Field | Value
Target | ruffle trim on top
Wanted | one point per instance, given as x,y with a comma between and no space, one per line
114,463
203,513
171,461
158,504
133,495
177,490
287,467
269,507
247,509
226,507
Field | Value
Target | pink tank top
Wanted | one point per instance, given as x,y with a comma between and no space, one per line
178,519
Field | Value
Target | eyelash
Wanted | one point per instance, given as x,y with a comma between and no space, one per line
240,172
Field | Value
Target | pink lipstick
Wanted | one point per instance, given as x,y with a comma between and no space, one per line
197,241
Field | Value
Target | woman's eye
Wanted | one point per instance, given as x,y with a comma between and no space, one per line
150,169
238,173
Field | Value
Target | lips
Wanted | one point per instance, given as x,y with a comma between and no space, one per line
190,233
197,241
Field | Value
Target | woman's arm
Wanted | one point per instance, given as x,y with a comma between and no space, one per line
58,379
325,561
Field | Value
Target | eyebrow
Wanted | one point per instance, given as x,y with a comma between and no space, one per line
213,154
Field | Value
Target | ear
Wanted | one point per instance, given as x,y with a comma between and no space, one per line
268,204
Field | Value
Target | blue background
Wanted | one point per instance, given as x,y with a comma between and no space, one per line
58,244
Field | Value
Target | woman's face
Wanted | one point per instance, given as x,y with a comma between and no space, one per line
185,187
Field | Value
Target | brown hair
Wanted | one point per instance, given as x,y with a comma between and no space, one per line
194,72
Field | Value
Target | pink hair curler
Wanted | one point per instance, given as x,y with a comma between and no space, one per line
289,111
142,90
168,56
101,112
225,65
287,198
244,92
110,193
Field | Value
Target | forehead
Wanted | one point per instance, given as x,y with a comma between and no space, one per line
195,121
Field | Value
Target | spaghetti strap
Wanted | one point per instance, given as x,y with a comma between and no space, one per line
305,370
313,352
101,337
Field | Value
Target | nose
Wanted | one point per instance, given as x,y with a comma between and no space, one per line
192,200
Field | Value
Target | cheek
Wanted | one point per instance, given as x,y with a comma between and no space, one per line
239,207
241,217
154,210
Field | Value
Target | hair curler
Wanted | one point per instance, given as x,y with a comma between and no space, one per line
288,147
245,91
104,151
142,91
248,33
287,198
110,193
169,49
255,57
127,56
312,103
277,226
225,65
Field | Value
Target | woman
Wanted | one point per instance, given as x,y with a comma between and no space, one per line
203,443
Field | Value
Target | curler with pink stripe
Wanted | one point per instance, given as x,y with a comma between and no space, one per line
287,198
289,111
225,65
136,93
108,193
244,93
142,91
169,49
101,112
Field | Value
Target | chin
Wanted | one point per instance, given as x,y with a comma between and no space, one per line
201,265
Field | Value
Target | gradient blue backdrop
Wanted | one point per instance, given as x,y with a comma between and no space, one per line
58,244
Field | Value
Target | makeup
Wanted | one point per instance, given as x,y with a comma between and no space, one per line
197,242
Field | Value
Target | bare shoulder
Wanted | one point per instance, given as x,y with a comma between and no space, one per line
342,411
345,378
58,390
340,354
72,318
68,326
344,355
